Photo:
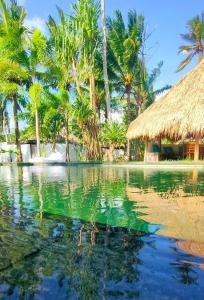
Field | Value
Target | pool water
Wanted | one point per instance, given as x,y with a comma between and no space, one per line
99,232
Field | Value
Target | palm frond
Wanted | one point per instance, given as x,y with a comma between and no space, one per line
185,62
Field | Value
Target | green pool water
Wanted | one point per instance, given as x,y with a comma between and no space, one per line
99,232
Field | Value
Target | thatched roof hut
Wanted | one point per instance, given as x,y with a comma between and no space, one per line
177,114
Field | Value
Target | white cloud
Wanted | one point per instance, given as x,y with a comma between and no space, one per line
36,23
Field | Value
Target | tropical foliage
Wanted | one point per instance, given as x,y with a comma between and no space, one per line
67,81
114,135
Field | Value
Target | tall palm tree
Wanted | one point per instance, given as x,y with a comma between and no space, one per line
35,93
2,110
195,38
13,55
85,17
105,69
37,57
63,65
125,44
143,87
125,48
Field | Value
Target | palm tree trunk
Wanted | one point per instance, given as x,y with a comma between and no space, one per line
145,151
37,132
16,126
105,69
139,111
76,78
129,118
92,91
37,127
92,135
128,107
1,120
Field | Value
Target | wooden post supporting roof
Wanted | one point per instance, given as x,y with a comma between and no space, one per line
146,150
196,152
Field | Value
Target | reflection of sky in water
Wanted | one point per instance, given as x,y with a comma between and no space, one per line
154,228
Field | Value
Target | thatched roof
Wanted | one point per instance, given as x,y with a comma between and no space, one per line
176,115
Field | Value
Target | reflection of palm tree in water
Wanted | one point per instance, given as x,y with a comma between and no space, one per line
92,234
93,258
118,249
188,275
40,195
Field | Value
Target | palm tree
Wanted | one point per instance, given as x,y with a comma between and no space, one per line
2,110
85,18
195,39
86,15
105,70
13,55
143,89
11,79
35,93
124,49
38,49
62,60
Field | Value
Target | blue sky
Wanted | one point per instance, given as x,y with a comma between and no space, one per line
165,19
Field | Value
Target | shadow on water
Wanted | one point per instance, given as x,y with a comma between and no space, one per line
101,233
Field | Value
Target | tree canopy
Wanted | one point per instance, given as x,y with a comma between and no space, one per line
60,75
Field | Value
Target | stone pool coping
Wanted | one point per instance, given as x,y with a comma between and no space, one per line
162,165
136,165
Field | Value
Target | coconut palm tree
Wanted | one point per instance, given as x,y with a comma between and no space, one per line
105,69
195,39
2,110
37,57
143,87
36,94
13,36
63,63
125,44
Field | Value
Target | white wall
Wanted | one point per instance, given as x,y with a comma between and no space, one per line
26,153
60,151
7,157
